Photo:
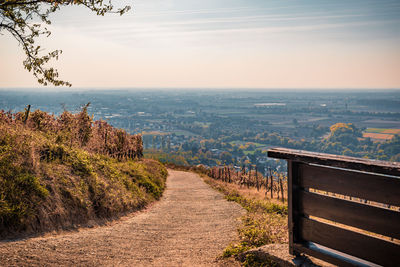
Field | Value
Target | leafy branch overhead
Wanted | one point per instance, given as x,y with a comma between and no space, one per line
24,20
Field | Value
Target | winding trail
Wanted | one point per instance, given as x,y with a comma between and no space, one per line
189,226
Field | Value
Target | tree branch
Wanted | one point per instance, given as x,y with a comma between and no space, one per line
16,17
19,38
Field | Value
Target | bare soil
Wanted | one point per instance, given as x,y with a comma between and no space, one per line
189,226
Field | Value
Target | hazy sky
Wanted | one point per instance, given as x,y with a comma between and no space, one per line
223,44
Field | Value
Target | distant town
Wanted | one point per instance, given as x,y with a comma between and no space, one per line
221,128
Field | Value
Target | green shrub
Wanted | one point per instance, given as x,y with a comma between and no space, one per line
252,260
80,163
150,187
235,249
20,191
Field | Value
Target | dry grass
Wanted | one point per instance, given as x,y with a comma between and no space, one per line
264,223
253,193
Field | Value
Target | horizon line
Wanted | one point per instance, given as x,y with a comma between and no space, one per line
288,89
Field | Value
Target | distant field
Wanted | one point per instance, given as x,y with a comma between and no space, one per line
379,136
154,133
248,152
201,124
251,152
178,133
185,133
244,143
392,131
385,132
263,147
375,130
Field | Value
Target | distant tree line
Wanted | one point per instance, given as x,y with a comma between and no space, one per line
340,139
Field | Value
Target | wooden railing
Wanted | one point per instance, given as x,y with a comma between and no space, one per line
343,210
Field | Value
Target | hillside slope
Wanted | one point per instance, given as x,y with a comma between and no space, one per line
57,173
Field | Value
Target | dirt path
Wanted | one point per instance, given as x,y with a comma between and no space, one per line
190,226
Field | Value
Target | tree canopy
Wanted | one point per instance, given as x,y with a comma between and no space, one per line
25,20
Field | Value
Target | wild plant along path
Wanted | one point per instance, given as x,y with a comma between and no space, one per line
189,226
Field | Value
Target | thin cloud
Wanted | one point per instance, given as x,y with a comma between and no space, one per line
229,23
163,31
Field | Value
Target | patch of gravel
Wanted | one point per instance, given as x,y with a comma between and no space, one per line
189,226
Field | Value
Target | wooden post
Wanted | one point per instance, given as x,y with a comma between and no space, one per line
282,192
258,188
105,142
249,178
225,174
243,175
240,177
266,182
272,186
277,186
28,109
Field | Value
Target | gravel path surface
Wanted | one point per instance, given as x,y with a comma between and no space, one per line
189,226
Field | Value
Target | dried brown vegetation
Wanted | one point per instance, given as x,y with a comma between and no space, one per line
59,172
274,185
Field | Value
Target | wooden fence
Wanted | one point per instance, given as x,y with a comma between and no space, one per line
343,210
249,176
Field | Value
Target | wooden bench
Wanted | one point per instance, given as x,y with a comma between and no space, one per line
343,210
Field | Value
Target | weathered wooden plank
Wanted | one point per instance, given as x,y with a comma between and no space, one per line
362,246
361,164
377,220
377,188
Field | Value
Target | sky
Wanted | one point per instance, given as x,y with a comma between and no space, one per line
262,44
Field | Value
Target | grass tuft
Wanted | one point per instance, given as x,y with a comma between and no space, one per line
252,260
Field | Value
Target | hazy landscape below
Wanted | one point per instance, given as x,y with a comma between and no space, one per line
208,127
